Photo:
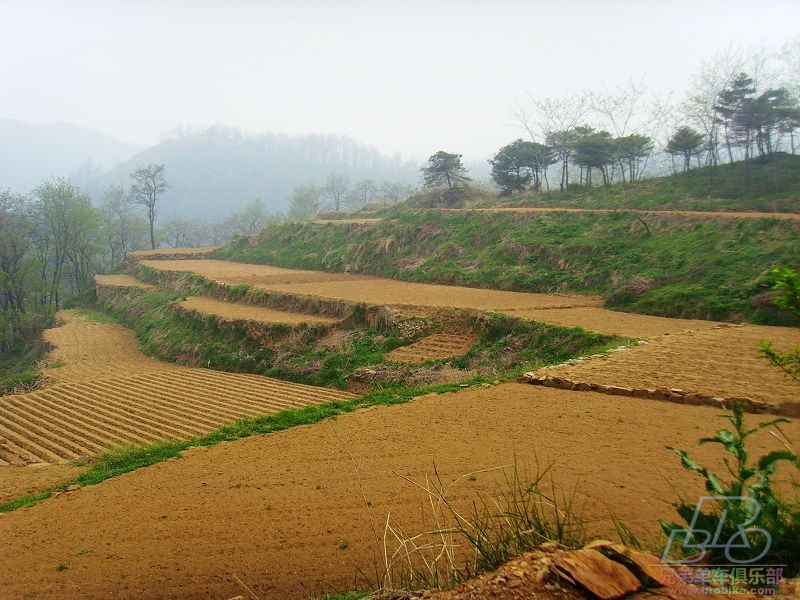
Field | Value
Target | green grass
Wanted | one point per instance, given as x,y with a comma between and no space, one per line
685,267
769,184
95,316
28,500
176,336
9,384
18,367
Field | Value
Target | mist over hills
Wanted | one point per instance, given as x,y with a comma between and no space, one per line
220,170
30,153
210,173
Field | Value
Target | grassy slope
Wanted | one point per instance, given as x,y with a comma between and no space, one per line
761,185
297,355
703,268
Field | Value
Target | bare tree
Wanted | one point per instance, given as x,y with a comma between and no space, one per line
363,194
305,203
179,232
394,192
149,184
709,86
335,190
123,230
554,120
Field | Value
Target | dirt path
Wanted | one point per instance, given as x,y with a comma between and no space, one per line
614,322
362,221
284,513
685,213
248,312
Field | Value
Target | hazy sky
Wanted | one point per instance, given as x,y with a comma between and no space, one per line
411,77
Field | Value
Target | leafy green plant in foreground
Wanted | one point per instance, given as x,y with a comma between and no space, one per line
788,284
772,524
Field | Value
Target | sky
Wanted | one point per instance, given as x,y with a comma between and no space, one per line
409,77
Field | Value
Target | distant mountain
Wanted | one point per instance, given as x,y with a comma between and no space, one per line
217,171
31,153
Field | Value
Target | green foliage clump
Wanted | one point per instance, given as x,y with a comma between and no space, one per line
179,336
766,184
788,285
15,382
773,524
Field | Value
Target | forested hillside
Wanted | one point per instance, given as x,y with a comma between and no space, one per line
219,170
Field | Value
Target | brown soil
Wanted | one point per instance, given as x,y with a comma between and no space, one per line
86,350
110,394
437,346
172,252
121,281
287,514
686,213
364,221
572,311
248,312
613,322
722,361
19,481
70,421
366,288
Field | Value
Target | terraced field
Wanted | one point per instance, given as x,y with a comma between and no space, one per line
87,349
691,355
185,252
568,310
721,362
121,281
366,288
109,394
236,311
437,346
291,514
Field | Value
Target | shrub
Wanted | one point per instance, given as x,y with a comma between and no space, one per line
748,499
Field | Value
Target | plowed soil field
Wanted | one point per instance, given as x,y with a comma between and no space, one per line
571,311
437,346
86,350
71,421
249,312
287,513
121,281
110,394
174,251
611,321
722,362
373,290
